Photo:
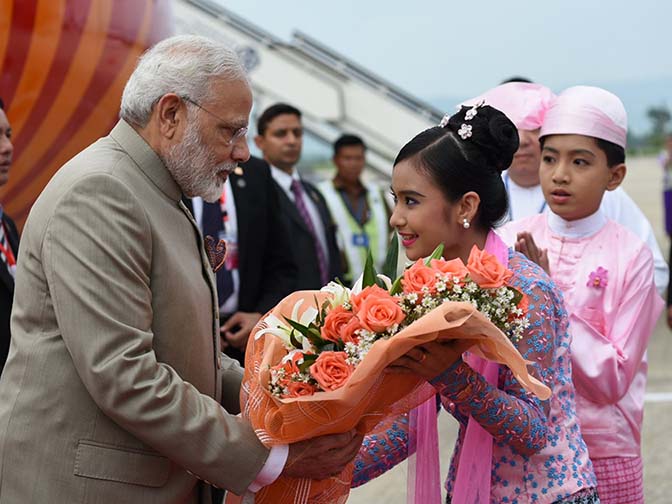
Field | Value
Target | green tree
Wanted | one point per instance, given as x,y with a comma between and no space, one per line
659,116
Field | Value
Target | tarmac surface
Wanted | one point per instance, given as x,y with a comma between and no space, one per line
644,184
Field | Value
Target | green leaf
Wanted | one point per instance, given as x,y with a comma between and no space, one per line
392,257
369,277
437,254
517,295
319,319
299,327
396,286
295,343
323,312
329,347
312,332
308,360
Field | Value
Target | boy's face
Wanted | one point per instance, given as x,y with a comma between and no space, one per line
574,175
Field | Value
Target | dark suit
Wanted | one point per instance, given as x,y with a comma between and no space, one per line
302,241
7,289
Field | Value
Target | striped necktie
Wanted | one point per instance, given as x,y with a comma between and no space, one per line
300,202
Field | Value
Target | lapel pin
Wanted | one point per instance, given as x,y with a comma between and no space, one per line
238,171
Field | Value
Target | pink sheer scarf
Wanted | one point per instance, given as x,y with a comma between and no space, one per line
472,483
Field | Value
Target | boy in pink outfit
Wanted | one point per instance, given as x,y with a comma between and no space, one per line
606,275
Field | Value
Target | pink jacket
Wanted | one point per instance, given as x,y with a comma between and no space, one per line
612,313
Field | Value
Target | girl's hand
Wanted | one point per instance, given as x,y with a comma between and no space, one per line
431,359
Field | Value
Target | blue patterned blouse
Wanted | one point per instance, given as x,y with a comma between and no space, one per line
538,452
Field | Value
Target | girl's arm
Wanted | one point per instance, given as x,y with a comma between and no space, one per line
382,450
509,413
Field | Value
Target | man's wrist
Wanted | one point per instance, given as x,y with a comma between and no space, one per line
274,465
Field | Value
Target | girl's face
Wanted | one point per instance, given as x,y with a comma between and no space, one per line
422,215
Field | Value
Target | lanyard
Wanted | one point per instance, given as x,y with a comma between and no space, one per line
222,207
506,185
7,252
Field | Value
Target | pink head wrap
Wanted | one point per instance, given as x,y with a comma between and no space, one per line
524,103
589,111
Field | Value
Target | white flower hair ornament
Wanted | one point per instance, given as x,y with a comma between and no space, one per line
444,121
464,131
473,111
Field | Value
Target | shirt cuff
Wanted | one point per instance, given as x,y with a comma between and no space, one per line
274,465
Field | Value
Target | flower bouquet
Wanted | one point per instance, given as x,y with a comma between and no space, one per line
315,364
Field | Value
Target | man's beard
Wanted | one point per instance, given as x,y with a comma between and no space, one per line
192,164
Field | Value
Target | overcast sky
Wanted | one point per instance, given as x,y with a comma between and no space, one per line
455,49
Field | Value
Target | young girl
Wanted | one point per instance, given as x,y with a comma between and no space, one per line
606,275
512,447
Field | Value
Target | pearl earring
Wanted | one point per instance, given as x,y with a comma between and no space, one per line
465,224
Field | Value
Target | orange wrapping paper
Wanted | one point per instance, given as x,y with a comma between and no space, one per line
369,396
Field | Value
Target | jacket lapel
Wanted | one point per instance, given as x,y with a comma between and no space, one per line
242,200
289,208
6,277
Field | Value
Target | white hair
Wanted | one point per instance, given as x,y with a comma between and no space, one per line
183,65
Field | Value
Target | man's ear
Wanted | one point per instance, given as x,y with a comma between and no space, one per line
259,142
616,176
170,110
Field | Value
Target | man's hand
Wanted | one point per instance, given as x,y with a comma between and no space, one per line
431,359
322,457
235,331
525,245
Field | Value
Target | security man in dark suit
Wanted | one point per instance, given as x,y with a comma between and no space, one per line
310,225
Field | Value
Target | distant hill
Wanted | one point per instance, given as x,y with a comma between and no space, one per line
637,95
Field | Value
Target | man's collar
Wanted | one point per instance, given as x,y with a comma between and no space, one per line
339,185
580,228
283,178
146,159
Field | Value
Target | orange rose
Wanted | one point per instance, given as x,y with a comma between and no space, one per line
331,370
334,323
418,276
486,270
455,267
298,389
373,290
378,311
348,331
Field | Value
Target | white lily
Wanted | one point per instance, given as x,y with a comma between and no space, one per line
340,293
282,330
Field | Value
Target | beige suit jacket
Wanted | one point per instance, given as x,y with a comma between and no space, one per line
112,390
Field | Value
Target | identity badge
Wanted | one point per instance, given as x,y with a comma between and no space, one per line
360,240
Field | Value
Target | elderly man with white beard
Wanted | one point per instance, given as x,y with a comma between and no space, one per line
115,389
